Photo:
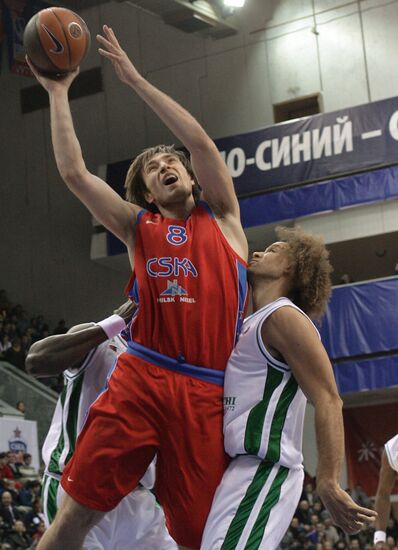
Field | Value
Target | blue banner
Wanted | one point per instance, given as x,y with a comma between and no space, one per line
361,319
313,148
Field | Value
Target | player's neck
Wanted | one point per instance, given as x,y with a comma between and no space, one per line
178,211
265,292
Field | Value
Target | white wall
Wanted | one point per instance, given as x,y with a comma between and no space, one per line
229,85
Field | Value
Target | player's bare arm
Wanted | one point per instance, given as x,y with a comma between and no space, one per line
102,201
209,167
54,354
304,353
387,478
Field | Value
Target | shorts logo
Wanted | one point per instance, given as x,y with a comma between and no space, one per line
177,235
229,403
175,292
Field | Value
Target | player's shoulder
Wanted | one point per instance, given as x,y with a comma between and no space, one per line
286,321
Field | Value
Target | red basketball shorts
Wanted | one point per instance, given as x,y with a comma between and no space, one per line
148,410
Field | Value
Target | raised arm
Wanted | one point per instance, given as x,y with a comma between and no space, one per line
102,201
291,334
54,354
209,167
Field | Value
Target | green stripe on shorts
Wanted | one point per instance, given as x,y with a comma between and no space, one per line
270,501
245,507
52,491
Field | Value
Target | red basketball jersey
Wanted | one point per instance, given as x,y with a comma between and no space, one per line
190,287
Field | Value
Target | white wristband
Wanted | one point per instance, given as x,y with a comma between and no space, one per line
379,536
112,325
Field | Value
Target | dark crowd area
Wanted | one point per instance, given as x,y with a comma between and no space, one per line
312,529
19,330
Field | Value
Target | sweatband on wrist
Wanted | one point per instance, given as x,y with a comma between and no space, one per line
379,536
112,325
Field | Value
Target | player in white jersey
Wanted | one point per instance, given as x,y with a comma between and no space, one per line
86,355
387,478
276,365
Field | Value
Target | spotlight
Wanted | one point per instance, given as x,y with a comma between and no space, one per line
234,3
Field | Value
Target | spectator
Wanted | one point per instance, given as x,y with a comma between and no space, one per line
5,344
39,532
29,494
5,470
22,323
303,512
18,538
391,544
10,487
26,469
360,497
13,464
15,354
8,511
345,279
34,517
392,529
331,531
308,493
26,342
20,406
61,328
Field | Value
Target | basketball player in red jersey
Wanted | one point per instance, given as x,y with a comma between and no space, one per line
189,262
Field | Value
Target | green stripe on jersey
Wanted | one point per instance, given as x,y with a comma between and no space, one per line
255,420
73,414
238,523
278,420
53,465
272,498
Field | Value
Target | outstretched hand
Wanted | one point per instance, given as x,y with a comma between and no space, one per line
55,83
344,512
112,50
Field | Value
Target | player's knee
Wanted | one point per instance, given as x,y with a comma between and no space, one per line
76,516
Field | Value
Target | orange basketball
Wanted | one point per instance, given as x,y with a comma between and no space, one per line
56,40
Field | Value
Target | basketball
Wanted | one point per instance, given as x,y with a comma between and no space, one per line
56,40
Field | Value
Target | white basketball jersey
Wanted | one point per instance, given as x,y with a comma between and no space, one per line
82,387
263,405
391,448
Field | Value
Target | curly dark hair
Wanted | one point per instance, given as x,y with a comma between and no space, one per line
135,184
311,282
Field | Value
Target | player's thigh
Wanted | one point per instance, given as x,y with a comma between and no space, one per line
253,506
191,462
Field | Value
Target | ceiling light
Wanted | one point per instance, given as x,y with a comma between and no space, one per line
234,3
